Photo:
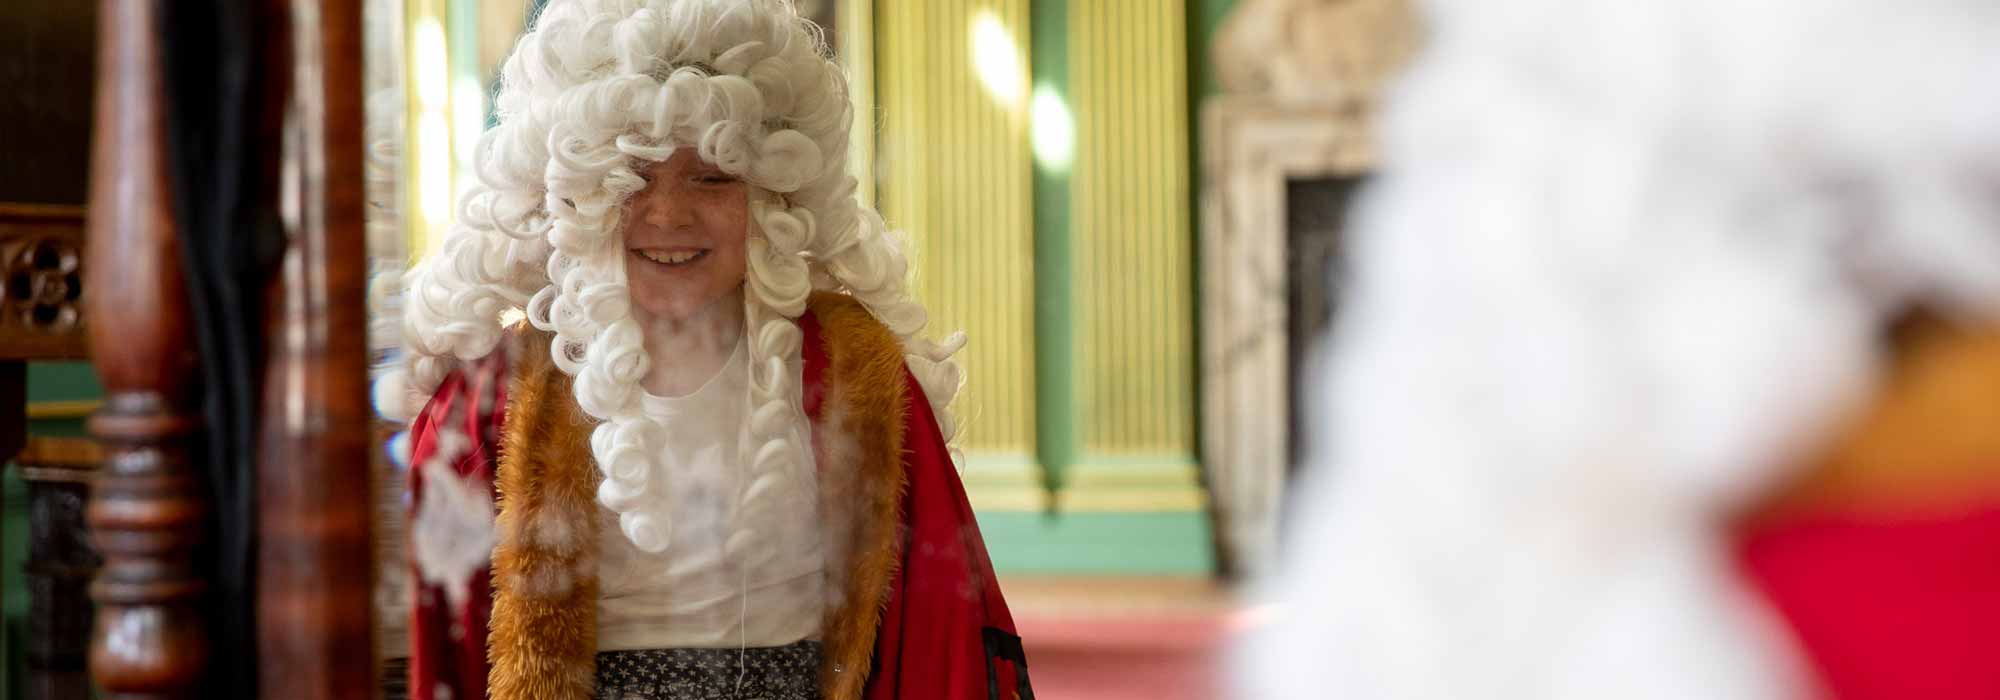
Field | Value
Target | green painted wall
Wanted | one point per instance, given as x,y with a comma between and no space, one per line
1093,543
1204,17
1057,410
1098,543
62,381
1055,404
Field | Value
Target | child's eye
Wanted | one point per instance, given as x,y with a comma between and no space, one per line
717,178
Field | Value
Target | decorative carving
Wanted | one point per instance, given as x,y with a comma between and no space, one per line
44,280
1314,50
1252,149
41,281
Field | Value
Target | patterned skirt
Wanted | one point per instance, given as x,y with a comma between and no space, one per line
772,673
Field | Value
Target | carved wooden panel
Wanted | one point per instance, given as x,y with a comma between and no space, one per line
41,282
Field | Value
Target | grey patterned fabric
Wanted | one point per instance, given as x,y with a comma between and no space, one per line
775,673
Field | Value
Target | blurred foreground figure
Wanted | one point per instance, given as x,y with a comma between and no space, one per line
1671,368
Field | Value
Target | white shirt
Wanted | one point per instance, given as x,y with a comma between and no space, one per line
691,595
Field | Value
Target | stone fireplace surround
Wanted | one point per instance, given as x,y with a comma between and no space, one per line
1300,79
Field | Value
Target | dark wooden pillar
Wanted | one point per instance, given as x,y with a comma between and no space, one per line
315,575
146,509
60,563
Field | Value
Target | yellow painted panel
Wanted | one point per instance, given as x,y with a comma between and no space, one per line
1130,226
856,51
951,83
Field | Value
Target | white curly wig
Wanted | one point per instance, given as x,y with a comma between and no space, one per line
593,93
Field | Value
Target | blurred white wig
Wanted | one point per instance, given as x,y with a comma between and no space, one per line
595,91
1624,260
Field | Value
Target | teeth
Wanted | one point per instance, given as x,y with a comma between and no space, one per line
674,258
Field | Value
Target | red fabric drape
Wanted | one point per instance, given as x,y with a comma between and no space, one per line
448,643
1887,608
944,599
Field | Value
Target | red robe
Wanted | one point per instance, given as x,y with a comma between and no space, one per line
1888,607
944,632
1884,560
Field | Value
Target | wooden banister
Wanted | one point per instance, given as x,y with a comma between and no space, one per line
315,572
145,510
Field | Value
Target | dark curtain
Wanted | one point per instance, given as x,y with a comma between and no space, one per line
225,66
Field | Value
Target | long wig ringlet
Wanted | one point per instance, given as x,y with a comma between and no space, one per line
597,89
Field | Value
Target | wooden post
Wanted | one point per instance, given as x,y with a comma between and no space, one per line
146,509
315,576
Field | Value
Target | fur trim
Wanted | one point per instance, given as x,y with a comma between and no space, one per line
862,420
543,639
1925,444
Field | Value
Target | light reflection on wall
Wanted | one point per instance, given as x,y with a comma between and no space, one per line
996,59
430,167
454,47
1051,132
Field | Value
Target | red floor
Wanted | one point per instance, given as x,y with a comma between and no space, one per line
1114,641
1116,660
